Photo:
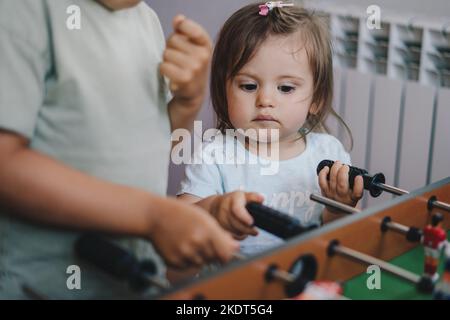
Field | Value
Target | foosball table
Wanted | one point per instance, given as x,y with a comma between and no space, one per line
383,252
387,236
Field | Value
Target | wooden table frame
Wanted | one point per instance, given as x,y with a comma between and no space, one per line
361,231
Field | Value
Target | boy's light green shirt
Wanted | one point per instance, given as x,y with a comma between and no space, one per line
92,99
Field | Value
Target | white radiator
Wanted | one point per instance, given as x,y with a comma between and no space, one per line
392,89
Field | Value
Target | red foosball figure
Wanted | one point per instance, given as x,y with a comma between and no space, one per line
434,238
321,290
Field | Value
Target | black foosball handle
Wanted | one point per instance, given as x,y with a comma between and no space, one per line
276,222
370,182
115,261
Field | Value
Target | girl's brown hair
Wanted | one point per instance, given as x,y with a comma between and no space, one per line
246,30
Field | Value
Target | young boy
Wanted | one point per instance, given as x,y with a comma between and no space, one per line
85,139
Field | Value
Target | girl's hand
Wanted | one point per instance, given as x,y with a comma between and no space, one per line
229,210
186,60
337,187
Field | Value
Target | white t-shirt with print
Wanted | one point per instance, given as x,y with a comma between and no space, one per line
287,188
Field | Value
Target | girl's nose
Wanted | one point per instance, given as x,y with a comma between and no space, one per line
265,99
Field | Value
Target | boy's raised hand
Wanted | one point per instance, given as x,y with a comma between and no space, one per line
186,59
337,187
187,236
229,209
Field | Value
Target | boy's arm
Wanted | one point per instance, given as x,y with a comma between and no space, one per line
182,113
38,187
173,274
46,191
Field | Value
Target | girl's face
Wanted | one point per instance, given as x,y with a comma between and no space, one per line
274,89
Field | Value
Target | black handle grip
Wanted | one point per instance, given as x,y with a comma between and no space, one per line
352,174
275,222
115,260
370,182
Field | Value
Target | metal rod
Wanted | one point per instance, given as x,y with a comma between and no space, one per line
283,276
359,256
329,202
391,189
399,192
441,205
158,282
276,273
397,227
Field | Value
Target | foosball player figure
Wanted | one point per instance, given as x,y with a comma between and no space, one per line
434,238
321,290
442,291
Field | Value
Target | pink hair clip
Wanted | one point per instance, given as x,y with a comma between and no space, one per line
265,8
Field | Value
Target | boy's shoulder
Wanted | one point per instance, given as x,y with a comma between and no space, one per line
147,10
151,21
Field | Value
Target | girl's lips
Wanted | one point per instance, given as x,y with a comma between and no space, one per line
264,118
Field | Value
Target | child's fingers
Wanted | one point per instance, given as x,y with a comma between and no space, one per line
240,236
207,252
176,57
192,30
224,247
227,218
323,182
342,181
181,43
188,66
188,61
239,219
358,188
196,260
177,20
174,73
238,203
190,256
333,177
242,220
240,228
253,197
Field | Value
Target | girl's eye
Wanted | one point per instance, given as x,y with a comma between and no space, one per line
286,88
248,87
